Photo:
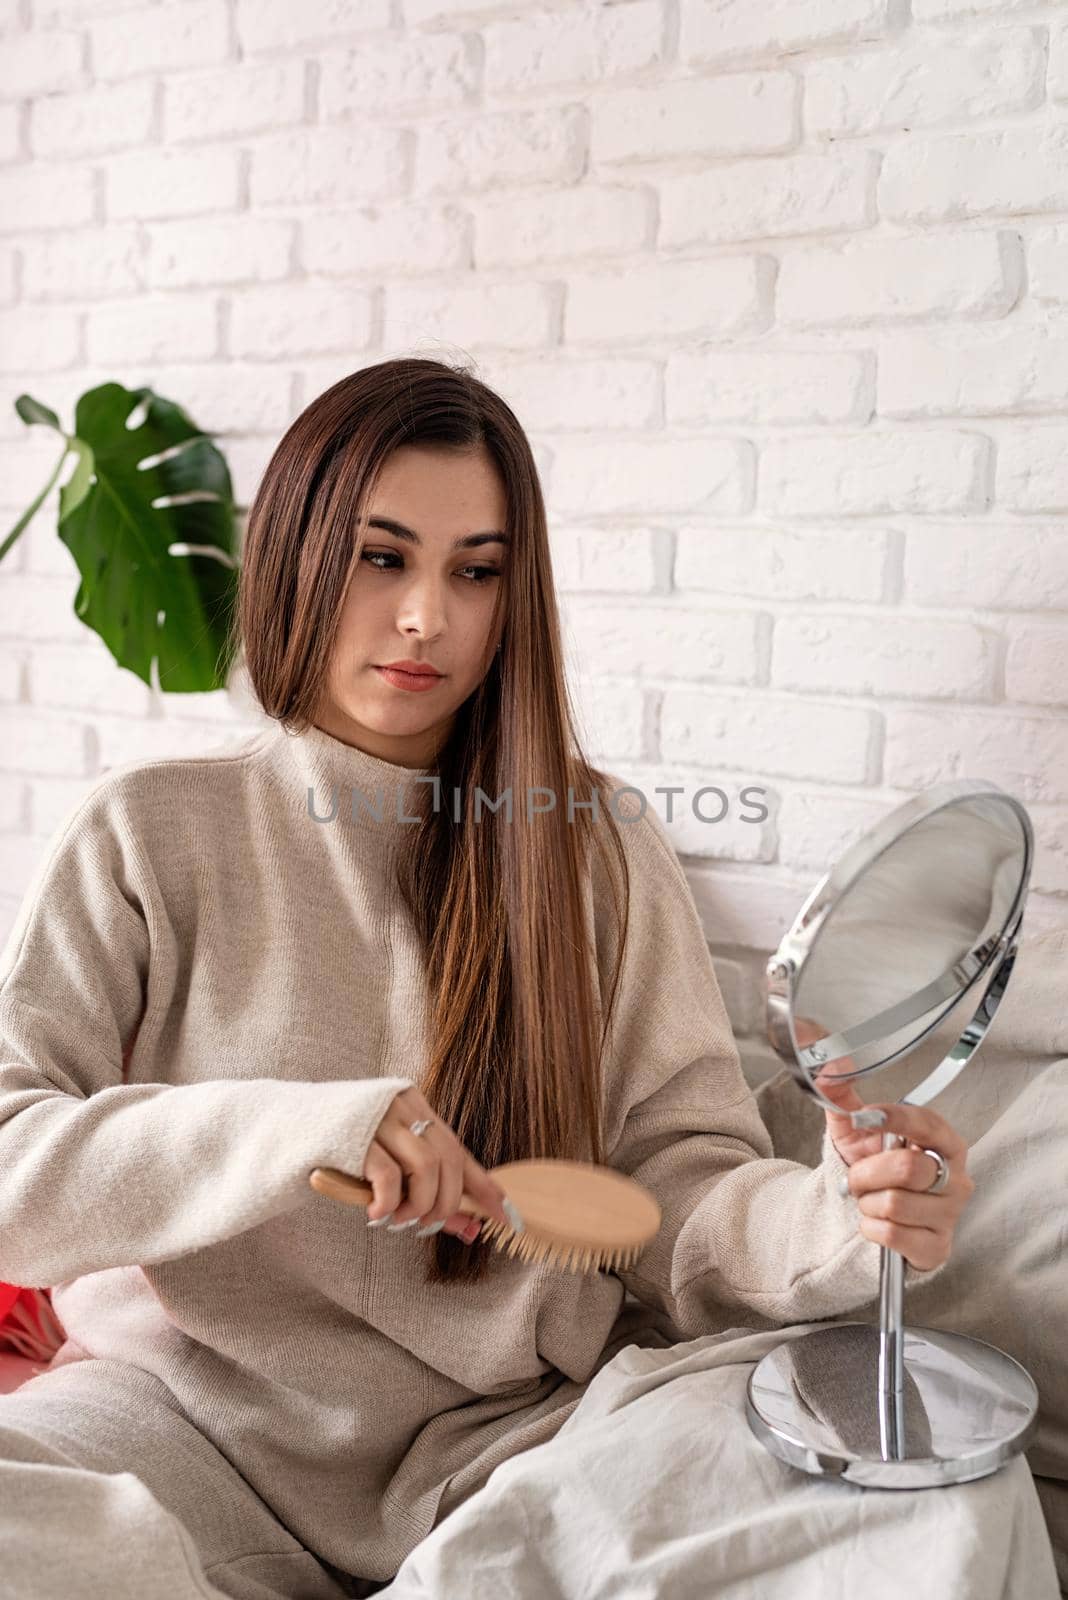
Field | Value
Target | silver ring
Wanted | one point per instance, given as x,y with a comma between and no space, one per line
941,1177
420,1127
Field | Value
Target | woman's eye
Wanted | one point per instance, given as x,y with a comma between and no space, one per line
479,575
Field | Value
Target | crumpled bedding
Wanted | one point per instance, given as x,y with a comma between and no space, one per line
655,1486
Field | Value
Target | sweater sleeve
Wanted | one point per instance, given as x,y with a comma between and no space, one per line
97,1173
741,1229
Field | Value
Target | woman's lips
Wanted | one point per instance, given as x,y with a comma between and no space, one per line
416,683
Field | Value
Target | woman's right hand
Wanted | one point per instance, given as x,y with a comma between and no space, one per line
420,1177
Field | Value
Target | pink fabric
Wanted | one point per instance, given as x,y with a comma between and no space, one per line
15,1371
28,1325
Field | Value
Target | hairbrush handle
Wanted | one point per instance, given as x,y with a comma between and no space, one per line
358,1192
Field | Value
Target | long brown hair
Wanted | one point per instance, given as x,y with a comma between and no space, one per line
515,1058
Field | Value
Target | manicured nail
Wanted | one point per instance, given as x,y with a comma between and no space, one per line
380,1222
515,1220
399,1227
431,1227
843,1185
870,1117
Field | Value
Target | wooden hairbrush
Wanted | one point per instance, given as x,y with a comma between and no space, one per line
574,1213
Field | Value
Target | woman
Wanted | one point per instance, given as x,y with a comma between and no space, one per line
324,947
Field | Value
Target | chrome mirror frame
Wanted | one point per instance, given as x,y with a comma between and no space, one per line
784,967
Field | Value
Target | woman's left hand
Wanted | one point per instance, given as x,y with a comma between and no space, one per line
890,1185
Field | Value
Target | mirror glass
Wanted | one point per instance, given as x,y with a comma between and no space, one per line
898,956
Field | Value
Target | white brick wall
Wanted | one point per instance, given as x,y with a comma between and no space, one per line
779,290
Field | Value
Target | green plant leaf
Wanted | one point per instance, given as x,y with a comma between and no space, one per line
78,485
144,600
31,411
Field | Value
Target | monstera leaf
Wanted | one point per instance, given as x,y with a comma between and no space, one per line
148,515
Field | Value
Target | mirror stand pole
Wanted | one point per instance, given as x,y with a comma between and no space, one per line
891,1343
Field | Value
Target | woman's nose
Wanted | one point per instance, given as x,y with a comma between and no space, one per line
423,609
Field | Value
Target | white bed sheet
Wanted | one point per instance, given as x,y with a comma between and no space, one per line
655,1486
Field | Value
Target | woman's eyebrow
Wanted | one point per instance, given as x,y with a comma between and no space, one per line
472,539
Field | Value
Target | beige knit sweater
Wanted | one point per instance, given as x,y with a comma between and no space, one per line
280,993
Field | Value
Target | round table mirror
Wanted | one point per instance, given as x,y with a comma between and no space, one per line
883,989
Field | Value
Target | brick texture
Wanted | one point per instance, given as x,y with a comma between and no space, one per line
779,292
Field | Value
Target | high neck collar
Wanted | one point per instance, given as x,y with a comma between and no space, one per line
358,784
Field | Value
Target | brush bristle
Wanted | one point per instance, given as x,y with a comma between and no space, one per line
577,1258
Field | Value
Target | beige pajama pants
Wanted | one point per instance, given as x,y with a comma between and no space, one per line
108,1492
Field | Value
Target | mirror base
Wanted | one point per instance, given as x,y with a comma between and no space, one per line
966,1407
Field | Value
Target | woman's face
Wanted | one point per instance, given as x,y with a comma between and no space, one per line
418,596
